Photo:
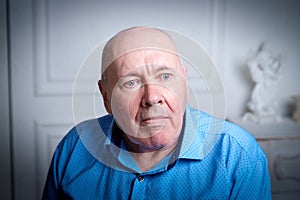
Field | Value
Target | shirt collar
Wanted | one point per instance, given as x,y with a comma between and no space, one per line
202,132
192,140
197,141
113,143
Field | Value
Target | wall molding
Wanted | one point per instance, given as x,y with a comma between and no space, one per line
47,136
45,82
287,168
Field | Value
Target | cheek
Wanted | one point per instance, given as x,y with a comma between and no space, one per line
133,105
124,105
176,99
183,96
119,107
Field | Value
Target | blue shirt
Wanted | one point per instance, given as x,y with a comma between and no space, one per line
216,160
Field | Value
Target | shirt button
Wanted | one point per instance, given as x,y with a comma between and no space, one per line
140,178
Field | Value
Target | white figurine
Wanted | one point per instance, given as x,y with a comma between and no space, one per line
265,70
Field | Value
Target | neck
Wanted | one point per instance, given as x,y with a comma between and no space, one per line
146,158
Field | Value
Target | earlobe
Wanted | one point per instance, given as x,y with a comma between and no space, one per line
105,98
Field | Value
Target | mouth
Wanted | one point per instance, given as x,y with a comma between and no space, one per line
157,121
153,117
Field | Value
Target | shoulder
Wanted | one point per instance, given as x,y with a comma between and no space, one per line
240,149
80,144
243,140
237,148
84,128
104,122
225,135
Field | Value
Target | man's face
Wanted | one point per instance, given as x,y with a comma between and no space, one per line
147,94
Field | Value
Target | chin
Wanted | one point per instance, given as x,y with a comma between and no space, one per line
160,143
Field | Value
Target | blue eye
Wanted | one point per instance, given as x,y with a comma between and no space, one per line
130,83
165,76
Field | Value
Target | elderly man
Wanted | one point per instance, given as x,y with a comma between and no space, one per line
155,146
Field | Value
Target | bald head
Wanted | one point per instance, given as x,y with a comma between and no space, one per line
135,38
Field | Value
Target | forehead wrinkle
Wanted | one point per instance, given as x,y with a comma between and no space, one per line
135,61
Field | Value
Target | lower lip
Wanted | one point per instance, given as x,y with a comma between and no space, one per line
155,121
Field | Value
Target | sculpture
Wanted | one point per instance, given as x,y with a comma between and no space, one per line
266,71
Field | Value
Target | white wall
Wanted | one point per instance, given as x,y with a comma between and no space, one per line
51,38
248,23
227,29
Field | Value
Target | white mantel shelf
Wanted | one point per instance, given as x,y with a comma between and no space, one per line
287,129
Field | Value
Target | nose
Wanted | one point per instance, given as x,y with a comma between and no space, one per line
152,95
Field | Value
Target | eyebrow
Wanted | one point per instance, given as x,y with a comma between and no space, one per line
130,75
162,67
157,68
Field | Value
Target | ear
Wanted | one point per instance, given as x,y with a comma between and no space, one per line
185,73
105,98
185,70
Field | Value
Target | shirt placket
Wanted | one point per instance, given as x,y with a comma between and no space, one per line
139,188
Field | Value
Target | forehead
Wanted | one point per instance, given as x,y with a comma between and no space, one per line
144,58
133,39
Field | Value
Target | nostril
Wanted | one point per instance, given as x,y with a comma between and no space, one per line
160,101
147,102
151,95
